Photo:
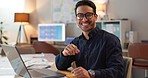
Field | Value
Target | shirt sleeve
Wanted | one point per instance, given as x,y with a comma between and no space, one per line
63,62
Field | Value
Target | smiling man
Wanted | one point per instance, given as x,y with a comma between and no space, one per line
97,53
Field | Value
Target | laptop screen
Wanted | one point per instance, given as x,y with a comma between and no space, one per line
15,60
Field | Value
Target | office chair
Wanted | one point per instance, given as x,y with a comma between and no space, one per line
43,47
139,54
127,61
25,48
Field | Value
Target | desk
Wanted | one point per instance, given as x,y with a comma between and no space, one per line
7,71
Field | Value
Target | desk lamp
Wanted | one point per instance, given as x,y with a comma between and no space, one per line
21,18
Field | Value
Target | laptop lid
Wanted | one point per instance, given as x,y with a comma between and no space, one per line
15,60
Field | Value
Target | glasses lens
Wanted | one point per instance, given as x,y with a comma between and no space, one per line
88,15
80,16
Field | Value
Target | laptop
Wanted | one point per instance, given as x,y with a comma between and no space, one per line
20,68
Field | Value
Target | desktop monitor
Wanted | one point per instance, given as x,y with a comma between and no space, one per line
68,40
51,32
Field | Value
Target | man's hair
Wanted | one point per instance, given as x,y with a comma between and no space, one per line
86,2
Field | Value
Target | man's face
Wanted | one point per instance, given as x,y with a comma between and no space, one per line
86,19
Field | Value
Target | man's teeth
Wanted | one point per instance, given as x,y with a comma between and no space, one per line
85,24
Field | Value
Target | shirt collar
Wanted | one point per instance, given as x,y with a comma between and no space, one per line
91,34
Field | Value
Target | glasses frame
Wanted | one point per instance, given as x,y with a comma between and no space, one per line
85,15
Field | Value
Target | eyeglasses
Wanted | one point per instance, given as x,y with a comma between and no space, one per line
87,15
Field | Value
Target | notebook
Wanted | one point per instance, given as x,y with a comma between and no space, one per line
20,68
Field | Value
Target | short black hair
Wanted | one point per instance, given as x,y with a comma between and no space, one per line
86,2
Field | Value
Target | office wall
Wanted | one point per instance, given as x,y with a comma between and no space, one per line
44,11
30,7
134,10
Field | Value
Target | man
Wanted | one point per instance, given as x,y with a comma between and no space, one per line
96,52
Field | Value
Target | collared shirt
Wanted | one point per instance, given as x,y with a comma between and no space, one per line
101,52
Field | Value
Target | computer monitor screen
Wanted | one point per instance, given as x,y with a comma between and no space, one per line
51,32
68,40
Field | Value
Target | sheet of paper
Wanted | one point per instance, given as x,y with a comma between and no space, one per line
9,71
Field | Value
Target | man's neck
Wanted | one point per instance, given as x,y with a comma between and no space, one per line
86,35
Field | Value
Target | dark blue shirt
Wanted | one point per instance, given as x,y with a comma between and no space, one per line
101,53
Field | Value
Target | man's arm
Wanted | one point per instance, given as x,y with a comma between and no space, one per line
63,62
66,57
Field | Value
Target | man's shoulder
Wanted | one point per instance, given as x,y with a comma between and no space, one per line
108,34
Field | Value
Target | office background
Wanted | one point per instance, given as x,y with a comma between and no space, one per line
41,11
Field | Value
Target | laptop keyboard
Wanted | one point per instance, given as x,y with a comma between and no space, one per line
45,73
34,73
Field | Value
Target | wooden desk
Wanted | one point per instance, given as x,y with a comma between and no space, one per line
7,71
68,74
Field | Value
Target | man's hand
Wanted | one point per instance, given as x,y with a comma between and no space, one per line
80,72
70,49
